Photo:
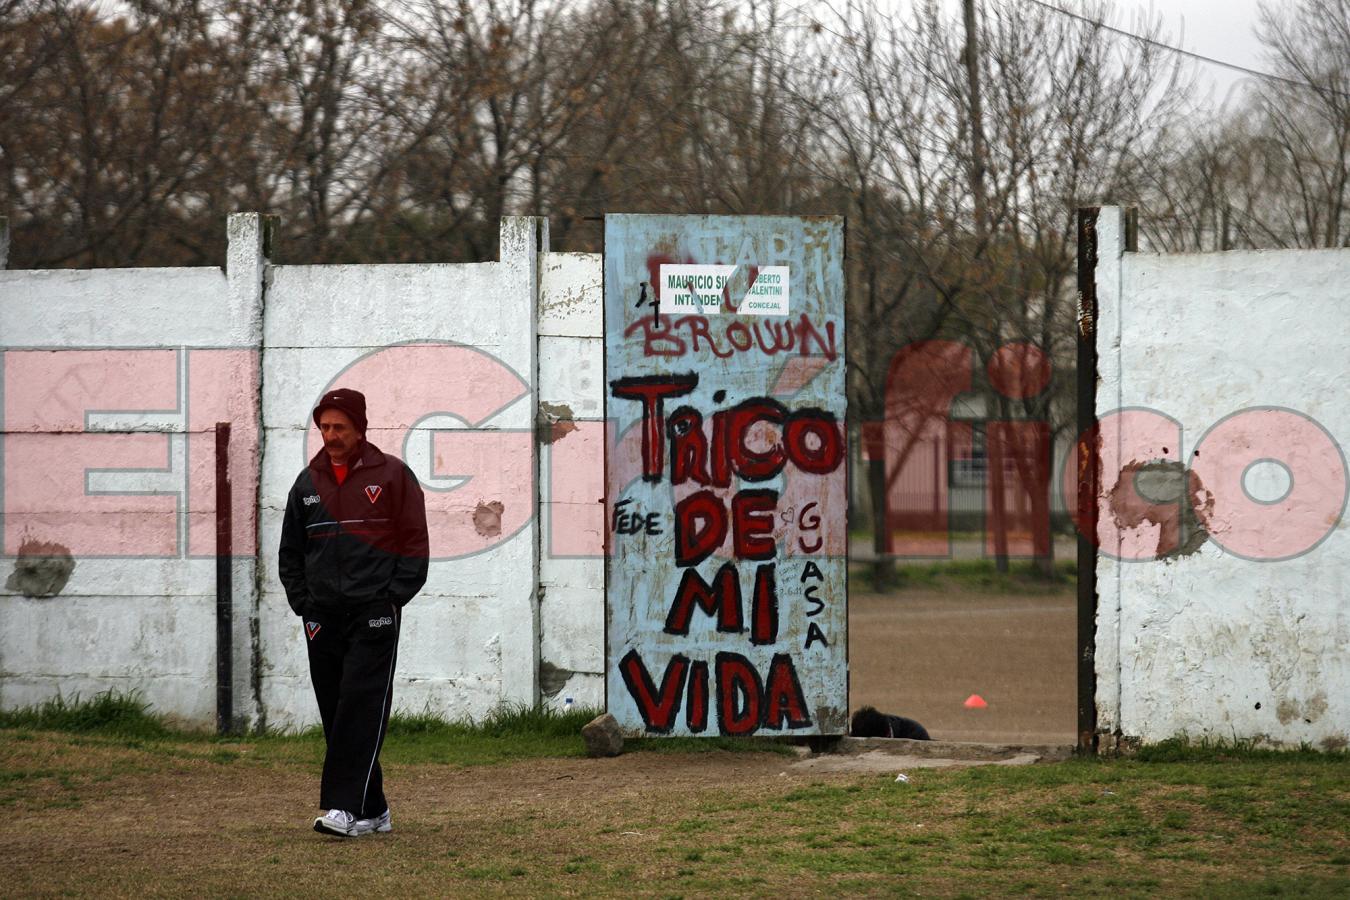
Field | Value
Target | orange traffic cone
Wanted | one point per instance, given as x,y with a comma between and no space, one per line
975,701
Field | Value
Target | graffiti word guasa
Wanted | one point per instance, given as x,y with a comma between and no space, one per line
676,336
807,438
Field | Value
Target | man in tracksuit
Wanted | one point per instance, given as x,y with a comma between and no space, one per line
354,551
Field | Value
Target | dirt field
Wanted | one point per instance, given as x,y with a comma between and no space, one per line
921,653
124,822
89,816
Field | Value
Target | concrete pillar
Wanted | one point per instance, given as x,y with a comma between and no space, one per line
247,272
1110,249
522,239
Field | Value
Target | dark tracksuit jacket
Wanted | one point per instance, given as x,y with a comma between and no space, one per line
351,556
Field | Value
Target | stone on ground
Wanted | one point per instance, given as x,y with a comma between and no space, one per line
602,736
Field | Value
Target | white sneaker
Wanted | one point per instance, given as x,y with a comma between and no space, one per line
338,822
380,823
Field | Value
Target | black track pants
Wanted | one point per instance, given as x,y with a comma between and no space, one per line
351,662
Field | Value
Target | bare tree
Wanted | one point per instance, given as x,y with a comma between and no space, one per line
110,125
1275,170
1073,114
1306,134
963,188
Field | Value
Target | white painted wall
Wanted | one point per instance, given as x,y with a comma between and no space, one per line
571,568
128,619
469,638
1191,645
131,615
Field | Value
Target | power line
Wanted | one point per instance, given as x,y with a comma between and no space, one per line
1159,44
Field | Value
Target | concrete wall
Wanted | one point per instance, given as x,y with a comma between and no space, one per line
438,350
114,379
572,435
1228,613
113,382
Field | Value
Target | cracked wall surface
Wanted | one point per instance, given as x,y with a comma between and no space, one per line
113,382
571,434
1197,633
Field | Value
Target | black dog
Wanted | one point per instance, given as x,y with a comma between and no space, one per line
867,722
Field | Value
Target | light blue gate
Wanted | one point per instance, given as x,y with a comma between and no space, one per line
726,573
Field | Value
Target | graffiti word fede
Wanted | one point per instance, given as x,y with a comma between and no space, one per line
625,521
807,438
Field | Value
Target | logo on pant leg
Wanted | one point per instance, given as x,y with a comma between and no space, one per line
381,622
311,629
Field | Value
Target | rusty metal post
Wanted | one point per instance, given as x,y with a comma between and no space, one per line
224,585
1089,478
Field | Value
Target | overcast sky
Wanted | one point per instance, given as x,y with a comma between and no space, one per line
1222,29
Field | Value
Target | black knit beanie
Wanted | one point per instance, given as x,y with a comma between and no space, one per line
351,402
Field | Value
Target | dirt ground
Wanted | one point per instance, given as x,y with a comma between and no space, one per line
921,653
119,821
99,817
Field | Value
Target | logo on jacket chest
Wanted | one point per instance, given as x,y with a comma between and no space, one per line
373,492
311,499
312,629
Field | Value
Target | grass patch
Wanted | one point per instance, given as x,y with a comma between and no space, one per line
1071,826
518,732
1191,819
110,712
506,721
708,745
1207,749
972,575
507,733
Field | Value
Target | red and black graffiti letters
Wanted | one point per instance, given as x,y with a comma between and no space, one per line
806,521
783,698
740,693
700,527
625,521
701,524
688,447
675,336
657,708
696,711
745,701
721,599
749,464
809,438
819,424
752,524
811,572
651,390
756,441
764,607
